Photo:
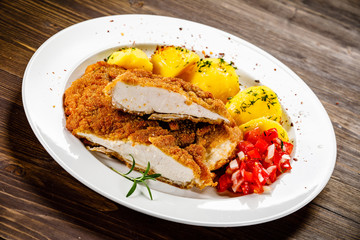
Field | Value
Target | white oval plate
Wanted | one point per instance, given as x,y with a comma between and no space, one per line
62,59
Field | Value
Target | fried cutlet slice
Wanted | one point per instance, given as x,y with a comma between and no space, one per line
141,92
183,152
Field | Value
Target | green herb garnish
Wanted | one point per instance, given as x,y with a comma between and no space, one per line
142,179
181,49
108,57
203,64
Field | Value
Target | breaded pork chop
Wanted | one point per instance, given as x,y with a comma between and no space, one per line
141,92
183,152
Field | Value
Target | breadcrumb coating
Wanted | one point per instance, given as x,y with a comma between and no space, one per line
193,94
88,110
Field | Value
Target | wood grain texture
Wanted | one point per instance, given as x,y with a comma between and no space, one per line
319,40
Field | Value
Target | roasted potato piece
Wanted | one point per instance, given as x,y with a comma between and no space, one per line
131,58
214,75
171,61
264,124
254,102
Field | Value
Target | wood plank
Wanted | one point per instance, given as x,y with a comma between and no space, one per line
13,57
311,15
319,40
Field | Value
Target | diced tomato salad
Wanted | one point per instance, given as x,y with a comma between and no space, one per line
261,158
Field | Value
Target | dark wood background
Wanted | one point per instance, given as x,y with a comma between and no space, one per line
319,40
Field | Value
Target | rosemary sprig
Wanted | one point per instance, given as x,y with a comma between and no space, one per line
142,179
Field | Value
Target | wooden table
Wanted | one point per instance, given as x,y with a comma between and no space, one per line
319,40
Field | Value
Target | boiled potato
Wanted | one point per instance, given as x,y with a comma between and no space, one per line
214,75
171,61
265,124
131,58
254,102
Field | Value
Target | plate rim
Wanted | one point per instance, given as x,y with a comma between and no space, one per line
152,213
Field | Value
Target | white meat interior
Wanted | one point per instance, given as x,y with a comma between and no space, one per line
152,99
160,162
221,151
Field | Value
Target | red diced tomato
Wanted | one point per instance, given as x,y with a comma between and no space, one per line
253,135
270,134
261,158
260,175
248,176
245,146
245,188
254,154
224,182
288,147
256,188
242,165
249,165
276,160
266,164
261,145
272,173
